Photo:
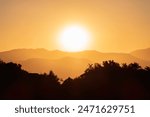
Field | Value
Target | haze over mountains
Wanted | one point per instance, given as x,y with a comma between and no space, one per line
67,64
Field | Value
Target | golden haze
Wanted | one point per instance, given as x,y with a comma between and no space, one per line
115,25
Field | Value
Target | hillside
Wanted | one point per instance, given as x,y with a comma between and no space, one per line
142,54
64,67
42,60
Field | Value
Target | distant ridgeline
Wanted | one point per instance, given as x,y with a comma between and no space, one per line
107,81
42,60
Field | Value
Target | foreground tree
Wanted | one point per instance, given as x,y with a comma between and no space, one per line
108,80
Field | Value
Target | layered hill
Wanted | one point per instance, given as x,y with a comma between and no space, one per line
67,64
142,54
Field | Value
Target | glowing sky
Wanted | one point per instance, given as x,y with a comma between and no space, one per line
115,25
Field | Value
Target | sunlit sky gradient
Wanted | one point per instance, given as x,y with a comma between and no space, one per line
115,25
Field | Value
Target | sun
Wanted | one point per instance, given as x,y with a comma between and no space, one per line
74,38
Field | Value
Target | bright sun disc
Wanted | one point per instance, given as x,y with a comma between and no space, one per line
74,38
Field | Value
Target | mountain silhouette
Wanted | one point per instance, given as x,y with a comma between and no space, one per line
41,60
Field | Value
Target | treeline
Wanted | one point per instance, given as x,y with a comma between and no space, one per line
108,80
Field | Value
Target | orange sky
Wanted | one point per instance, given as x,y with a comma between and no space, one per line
115,25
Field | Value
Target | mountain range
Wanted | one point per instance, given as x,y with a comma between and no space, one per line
69,64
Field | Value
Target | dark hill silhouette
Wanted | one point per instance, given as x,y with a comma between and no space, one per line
19,84
41,60
108,80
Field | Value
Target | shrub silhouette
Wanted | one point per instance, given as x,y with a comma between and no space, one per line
112,81
19,84
108,80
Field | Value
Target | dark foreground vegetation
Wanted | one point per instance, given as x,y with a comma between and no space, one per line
107,81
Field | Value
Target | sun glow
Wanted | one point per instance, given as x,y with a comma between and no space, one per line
74,38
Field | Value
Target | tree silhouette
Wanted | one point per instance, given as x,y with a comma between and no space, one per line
19,84
108,80
112,81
